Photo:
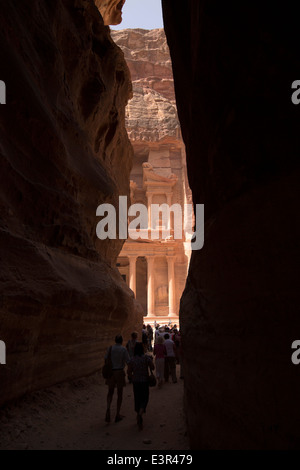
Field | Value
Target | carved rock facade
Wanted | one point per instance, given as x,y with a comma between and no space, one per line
155,269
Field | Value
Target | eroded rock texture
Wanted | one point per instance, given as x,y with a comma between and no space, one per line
233,68
151,116
111,11
64,150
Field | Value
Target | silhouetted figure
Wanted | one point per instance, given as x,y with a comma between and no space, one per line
149,337
119,359
177,340
138,372
160,353
170,360
131,344
145,338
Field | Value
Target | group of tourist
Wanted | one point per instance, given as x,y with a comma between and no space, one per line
147,337
167,352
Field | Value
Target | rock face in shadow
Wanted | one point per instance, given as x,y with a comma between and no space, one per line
64,151
233,69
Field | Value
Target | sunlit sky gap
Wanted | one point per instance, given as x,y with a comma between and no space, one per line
145,14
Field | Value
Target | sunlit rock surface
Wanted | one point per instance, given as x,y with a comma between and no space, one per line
159,171
151,116
111,10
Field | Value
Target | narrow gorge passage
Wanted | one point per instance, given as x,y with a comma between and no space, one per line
88,117
70,416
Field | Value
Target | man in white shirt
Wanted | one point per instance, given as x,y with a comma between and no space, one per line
119,358
170,360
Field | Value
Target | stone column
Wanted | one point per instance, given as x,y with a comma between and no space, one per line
150,287
150,199
169,199
169,202
132,273
171,280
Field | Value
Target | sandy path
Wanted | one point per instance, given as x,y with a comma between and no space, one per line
71,416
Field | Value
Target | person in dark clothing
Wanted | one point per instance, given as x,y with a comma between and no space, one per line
170,360
131,344
138,372
145,338
149,337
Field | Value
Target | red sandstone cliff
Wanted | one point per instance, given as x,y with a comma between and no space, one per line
151,116
63,142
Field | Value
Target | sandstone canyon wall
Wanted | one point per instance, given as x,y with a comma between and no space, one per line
151,115
234,64
63,142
